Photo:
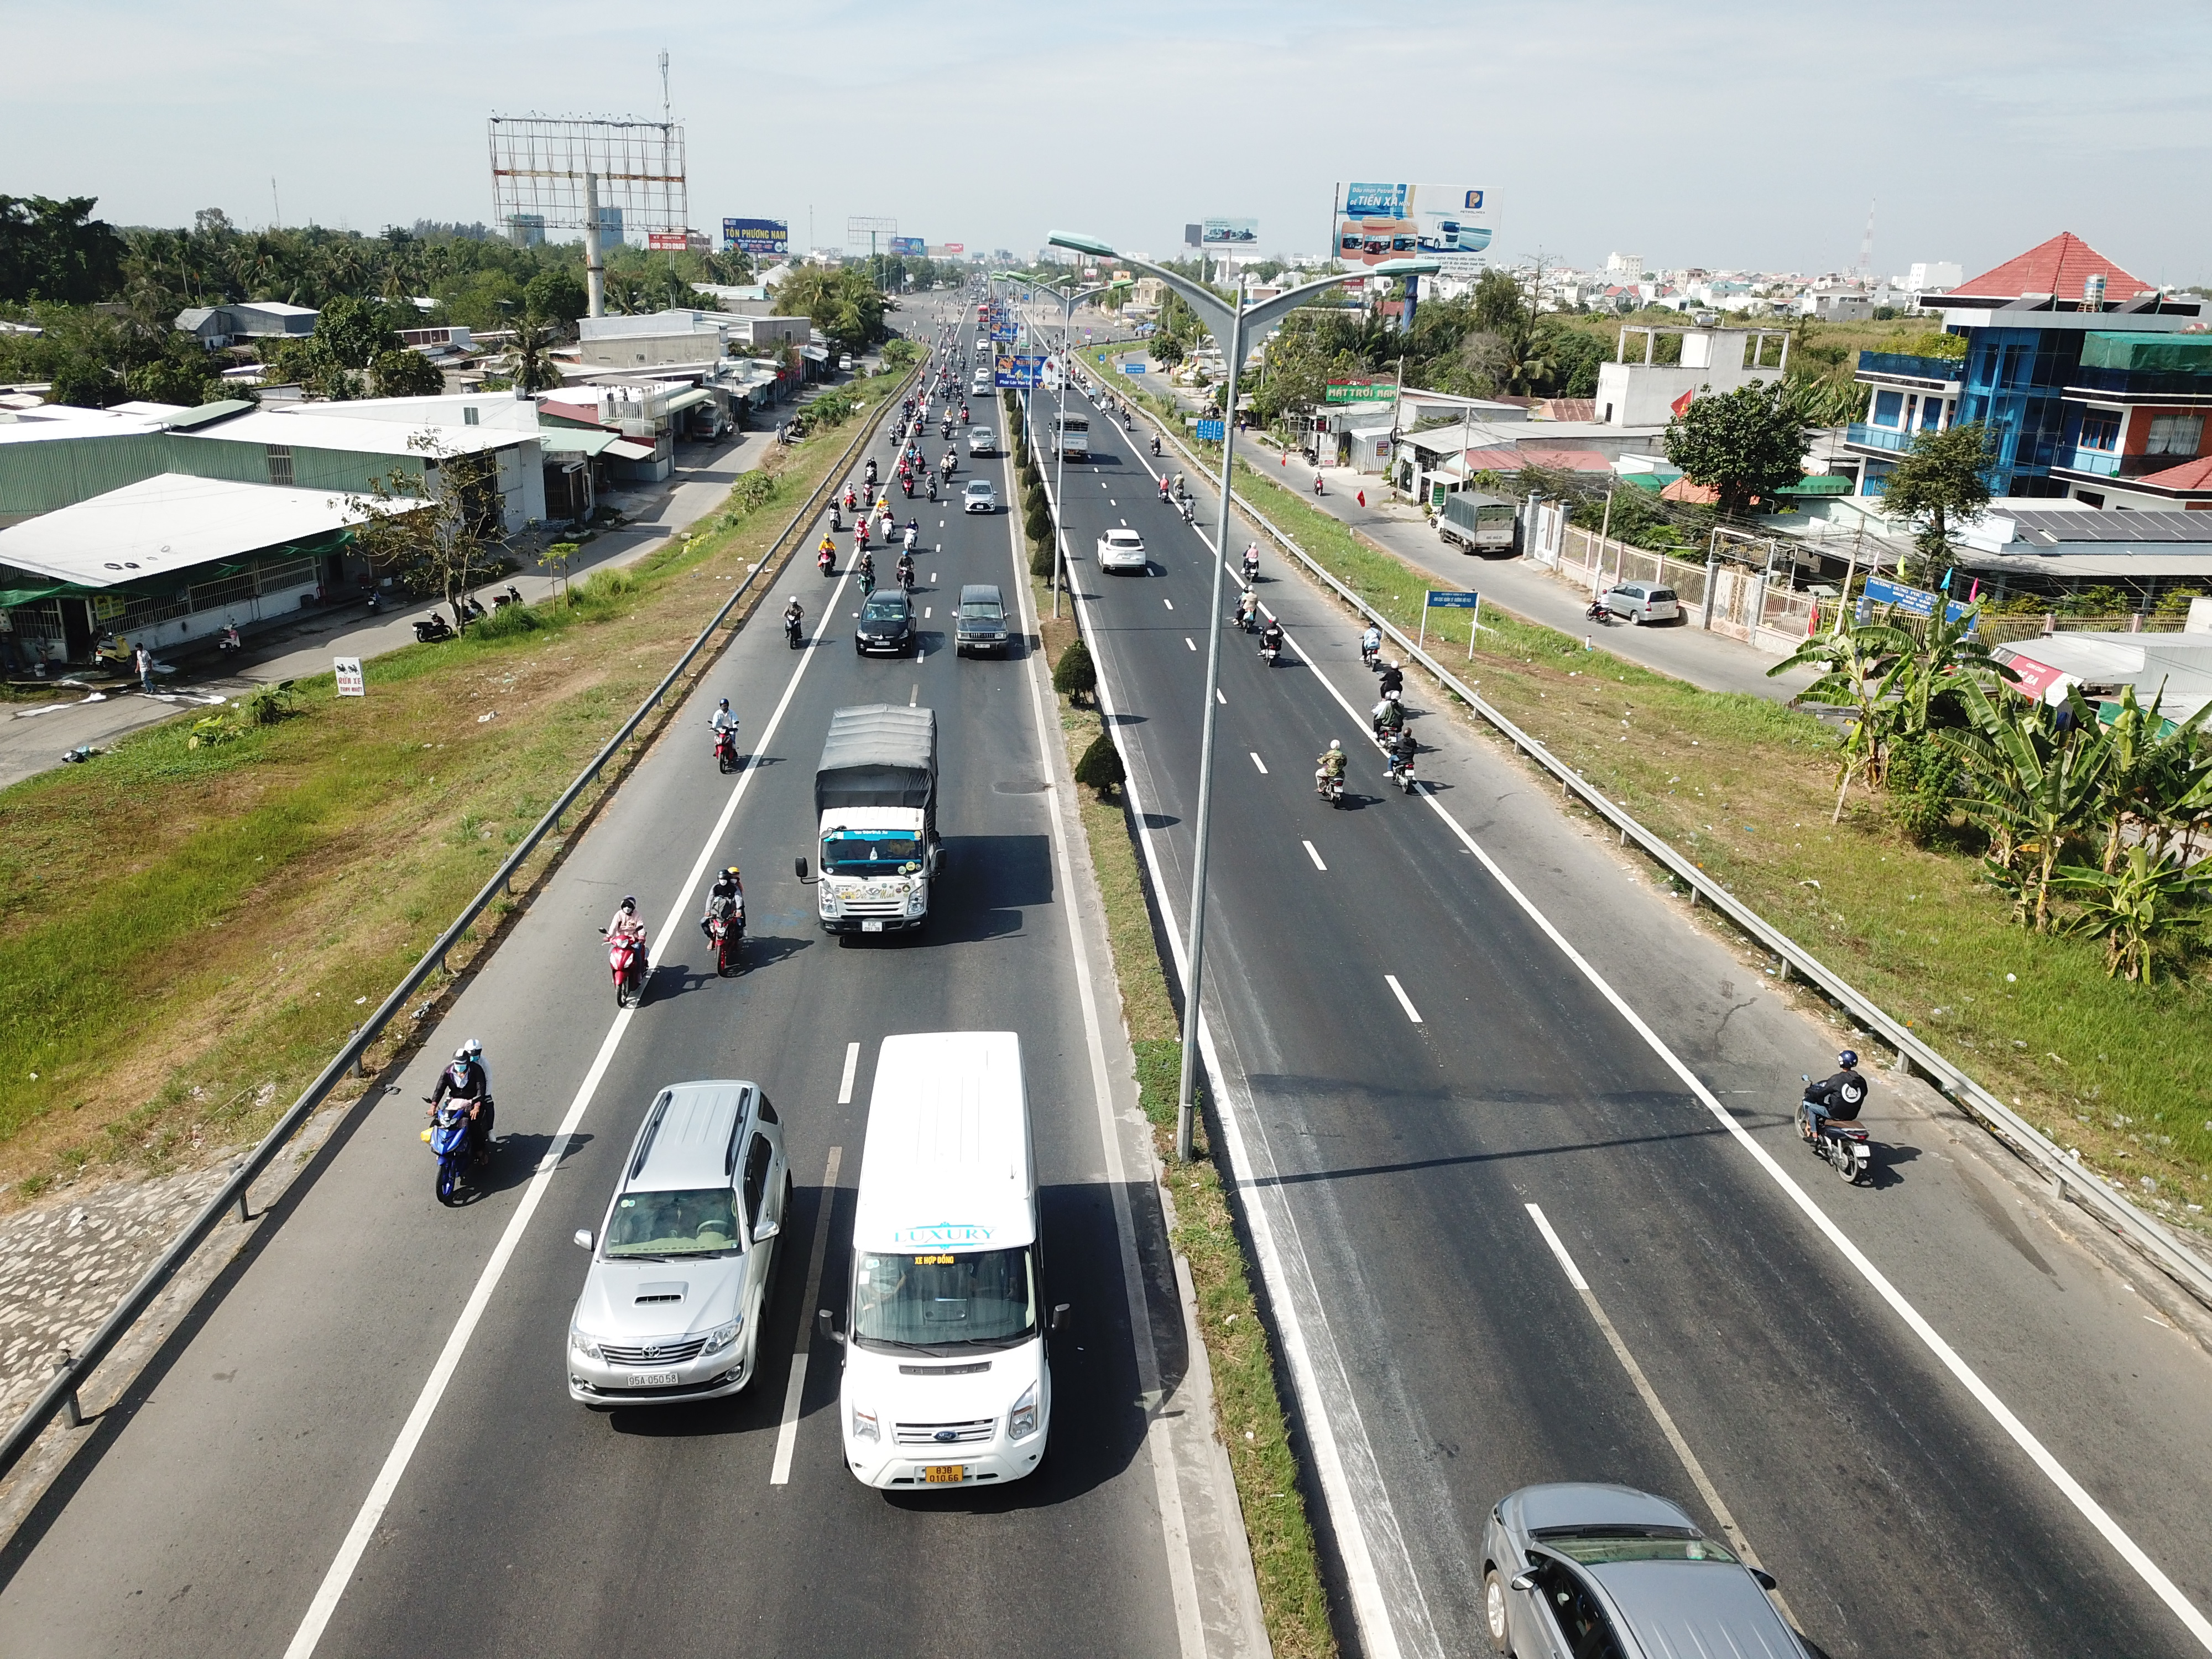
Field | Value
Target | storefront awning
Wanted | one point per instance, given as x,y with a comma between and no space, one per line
628,449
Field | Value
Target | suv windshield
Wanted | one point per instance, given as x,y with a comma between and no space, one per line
980,610
1597,1546
872,853
699,1221
974,1298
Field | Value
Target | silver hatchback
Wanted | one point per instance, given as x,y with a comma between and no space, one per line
1578,1568
1644,602
673,1300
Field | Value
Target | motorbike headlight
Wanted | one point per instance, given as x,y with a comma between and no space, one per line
586,1345
1022,1421
722,1335
864,1425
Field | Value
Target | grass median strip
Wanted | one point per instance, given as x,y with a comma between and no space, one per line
1248,1407
1744,787
193,922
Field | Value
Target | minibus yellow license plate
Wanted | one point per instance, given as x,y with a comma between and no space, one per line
938,1474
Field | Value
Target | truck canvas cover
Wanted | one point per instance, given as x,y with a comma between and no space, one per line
879,754
1459,509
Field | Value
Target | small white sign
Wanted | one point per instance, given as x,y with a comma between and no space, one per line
350,682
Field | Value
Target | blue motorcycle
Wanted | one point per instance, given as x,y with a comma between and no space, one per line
448,1135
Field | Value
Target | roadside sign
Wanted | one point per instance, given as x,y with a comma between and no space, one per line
1132,368
1358,391
671,241
351,682
1209,432
1018,371
1450,600
1913,601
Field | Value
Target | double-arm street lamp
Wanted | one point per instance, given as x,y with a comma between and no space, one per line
1230,325
1068,301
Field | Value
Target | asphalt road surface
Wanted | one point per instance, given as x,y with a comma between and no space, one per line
1453,1030
373,1345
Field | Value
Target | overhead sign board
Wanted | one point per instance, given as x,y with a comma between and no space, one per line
757,235
1402,222
1018,371
911,247
667,241
1229,233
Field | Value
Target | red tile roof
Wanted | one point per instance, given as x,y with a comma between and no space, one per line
2191,476
2056,267
1513,458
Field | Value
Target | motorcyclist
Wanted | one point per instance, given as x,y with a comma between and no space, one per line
794,615
1387,716
1251,564
1163,490
912,536
1370,643
724,724
904,572
861,536
1402,750
1248,608
727,896
1271,636
1156,443
1837,1098
932,486
868,569
467,1078
1328,766
1393,679
625,924
868,474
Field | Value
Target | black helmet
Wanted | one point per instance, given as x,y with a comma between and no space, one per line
629,903
1848,1059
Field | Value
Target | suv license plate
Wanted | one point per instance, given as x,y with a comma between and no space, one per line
873,925
940,1475
656,1379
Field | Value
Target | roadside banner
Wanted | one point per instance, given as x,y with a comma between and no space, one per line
1913,601
1450,599
351,682
757,235
668,242
1018,371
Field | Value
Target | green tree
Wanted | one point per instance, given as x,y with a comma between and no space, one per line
1100,767
57,251
842,303
2143,908
1743,443
1075,676
352,333
1943,481
556,295
405,374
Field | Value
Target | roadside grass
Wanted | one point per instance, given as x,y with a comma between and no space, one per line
1745,786
1248,1406
188,933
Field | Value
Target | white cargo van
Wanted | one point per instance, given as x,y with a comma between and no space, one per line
946,1381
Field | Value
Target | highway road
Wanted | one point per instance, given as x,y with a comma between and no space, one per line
361,1442
1514,1142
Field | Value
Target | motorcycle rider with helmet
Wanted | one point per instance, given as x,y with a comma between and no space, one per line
795,617
726,897
1271,636
1328,766
724,724
467,1078
1394,678
1837,1098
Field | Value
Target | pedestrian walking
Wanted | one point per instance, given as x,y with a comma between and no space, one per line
144,660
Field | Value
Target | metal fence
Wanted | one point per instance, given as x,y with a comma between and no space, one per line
60,1397
2066,1176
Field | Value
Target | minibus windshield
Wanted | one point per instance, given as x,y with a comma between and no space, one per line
945,1299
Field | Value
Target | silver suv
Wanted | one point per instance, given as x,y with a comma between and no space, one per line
672,1304
1644,602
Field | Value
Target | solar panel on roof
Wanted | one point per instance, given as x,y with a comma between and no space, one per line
2074,525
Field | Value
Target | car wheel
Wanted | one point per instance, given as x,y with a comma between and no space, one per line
1493,1612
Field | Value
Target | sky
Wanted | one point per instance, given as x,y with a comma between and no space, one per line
1724,134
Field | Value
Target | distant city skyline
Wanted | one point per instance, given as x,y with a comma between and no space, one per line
1983,129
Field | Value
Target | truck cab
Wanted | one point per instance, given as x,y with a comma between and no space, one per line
875,798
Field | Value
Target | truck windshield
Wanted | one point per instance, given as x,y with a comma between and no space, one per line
872,853
944,1299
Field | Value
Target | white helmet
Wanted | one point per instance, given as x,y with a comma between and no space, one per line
1335,747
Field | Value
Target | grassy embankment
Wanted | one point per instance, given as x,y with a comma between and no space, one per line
187,933
1247,1408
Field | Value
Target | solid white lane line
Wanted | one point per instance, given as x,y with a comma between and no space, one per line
1257,762
786,1436
2087,1507
371,1514
1650,1395
1315,856
1404,1001
852,1065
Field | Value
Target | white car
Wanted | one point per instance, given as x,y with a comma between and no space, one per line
1123,549
979,497
981,441
672,1302
981,385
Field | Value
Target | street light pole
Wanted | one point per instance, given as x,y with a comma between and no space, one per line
1067,302
1229,324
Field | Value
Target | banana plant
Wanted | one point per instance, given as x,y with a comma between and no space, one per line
2137,908
2159,787
2034,781
1860,660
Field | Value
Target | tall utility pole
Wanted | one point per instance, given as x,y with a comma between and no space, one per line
1231,327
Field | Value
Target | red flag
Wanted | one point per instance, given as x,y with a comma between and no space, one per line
1681,404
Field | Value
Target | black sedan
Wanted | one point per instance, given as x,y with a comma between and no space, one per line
887,624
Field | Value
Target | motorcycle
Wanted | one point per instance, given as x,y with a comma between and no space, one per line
1330,789
1368,652
1189,510
826,563
725,928
1847,1147
472,609
1400,770
626,958
432,628
793,632
906,483
1156,445
1251,568
227,641
1599,611
932,486
906,574
946,431
501,601
951,461
1318,491
449,1136
726,751
836,519
375,603
868,476
1268,654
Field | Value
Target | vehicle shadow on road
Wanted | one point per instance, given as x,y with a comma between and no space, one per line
516,1158
675,979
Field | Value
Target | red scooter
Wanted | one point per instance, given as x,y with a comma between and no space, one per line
726,928
726,751
626,956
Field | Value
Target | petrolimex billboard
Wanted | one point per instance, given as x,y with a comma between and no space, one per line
757,235
1229,233
911,247
1400,222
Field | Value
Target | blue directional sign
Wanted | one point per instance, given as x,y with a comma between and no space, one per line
1453,601
1132,368
1019,371
1913,601
1209,432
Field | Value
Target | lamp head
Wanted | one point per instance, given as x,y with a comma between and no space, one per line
1067,239
1405,268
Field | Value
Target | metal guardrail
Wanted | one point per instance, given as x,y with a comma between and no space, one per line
73,1370
2066,1176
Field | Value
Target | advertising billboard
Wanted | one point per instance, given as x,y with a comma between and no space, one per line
956,248
1018,370
1229,233
757,235
911,247
1400,222
669,242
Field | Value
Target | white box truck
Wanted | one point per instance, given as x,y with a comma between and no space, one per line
945,1381
875,800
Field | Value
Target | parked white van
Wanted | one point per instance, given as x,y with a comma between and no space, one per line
945,1381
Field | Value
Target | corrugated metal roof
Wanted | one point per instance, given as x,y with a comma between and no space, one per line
359,437
577,441
170,524
691,399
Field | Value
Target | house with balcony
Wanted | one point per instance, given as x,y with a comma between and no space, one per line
2058,342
